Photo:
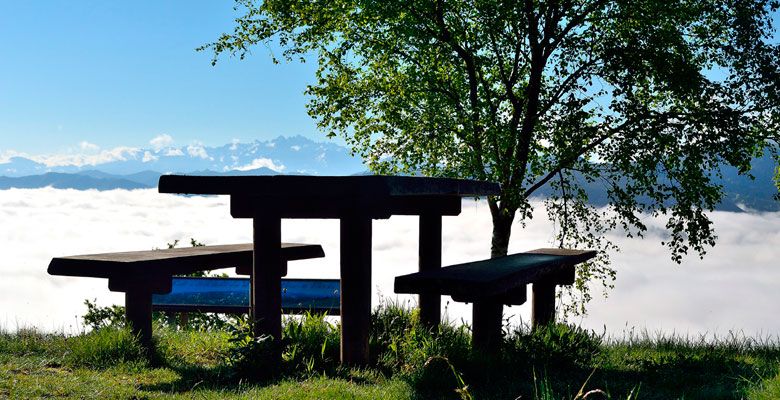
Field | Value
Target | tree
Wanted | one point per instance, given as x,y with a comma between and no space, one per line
647,99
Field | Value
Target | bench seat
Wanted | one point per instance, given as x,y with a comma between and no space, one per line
140,274
491,283
178,261
495,276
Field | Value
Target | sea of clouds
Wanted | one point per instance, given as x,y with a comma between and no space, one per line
735,288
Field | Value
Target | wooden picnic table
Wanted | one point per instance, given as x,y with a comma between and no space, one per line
355,201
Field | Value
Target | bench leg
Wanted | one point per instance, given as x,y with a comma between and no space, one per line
430,259
543,312
355,249
266,281
184,320
138,311
486,325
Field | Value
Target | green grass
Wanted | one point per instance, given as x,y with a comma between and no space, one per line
408,362
767,389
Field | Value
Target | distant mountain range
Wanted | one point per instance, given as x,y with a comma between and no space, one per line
741,193
299,155
95,179
70,181
142,168
289,155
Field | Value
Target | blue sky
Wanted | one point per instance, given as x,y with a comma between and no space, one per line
121,73
86,75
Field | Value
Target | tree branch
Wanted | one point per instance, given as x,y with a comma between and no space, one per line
573,157
574,22
563,87
532,91
471,70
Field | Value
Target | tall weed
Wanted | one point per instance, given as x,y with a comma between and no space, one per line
103,348
555,344
310,343
30,341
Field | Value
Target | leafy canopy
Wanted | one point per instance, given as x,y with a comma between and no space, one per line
647,99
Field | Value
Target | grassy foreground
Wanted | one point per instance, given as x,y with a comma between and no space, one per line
560,362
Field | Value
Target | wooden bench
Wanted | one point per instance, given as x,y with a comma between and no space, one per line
231,296
490,284
140,274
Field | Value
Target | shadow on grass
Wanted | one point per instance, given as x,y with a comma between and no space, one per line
556,362
198,376
494,378
686,372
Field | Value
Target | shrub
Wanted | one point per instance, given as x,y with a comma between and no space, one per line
430,361
249,357
98,317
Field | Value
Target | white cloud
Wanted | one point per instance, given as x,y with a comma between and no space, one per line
197,150
172,152
148,157
651,291
121,153
87,146
260,163
161,141
295,148
7,155
320,157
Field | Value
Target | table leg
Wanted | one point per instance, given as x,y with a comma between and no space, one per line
355,250
430,259
138,312
266,287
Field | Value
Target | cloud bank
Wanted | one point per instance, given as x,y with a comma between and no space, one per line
161,141
733,288
261,163
90,154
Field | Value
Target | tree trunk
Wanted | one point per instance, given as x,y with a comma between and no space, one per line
502,230
487,314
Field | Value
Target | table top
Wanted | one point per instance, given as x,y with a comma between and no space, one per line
304,196
308,185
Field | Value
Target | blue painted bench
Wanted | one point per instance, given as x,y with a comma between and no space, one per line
231,296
